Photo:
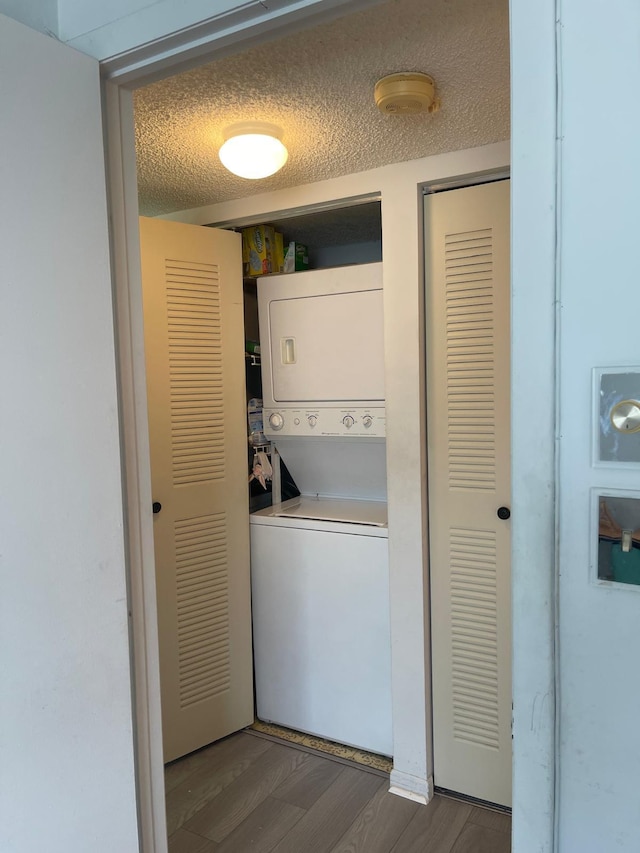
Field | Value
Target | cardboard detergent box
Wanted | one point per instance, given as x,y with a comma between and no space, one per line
278,252
296,258
257,250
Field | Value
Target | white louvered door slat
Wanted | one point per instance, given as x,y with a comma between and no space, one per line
467,264
194,345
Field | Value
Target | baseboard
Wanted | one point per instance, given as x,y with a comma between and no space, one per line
411,787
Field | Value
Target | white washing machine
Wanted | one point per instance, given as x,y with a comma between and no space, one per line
320,592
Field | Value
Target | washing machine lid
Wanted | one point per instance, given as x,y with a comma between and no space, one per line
333,509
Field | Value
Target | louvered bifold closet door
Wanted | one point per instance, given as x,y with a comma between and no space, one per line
194,347
467,299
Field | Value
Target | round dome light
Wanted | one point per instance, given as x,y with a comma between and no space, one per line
253,149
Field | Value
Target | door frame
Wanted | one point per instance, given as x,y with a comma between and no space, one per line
534,171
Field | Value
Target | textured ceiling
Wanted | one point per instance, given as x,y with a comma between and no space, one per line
317,84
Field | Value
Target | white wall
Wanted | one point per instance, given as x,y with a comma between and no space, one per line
405,409
67,780
599,291
41,15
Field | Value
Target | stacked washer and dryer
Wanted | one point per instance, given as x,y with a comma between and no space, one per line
319,562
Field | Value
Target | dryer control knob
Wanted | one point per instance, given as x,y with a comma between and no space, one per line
367,421
276,421
312,420
348,421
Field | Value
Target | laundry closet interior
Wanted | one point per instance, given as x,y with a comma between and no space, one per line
301,596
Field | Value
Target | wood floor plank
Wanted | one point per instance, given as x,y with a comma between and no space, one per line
182,768
379,824
179,770
329,818
223,762
183,841
480,839
434,828
232,805
308,782
263,828
491,819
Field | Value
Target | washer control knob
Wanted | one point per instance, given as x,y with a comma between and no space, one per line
313,420
276,421
367,421
348,421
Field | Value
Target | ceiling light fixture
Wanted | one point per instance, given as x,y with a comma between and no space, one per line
253,149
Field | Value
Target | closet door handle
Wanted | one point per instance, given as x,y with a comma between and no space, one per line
156,506
504,513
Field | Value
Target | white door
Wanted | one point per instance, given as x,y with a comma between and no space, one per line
65,714
194,348
467,266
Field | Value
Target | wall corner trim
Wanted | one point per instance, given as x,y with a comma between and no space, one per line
410,787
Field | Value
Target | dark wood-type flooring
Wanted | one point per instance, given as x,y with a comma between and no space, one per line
247,794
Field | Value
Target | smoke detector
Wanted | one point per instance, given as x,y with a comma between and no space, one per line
405,93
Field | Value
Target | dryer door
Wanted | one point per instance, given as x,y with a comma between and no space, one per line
327,348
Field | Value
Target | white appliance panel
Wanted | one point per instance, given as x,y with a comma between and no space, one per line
321,634
314,420
327,348
336,467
